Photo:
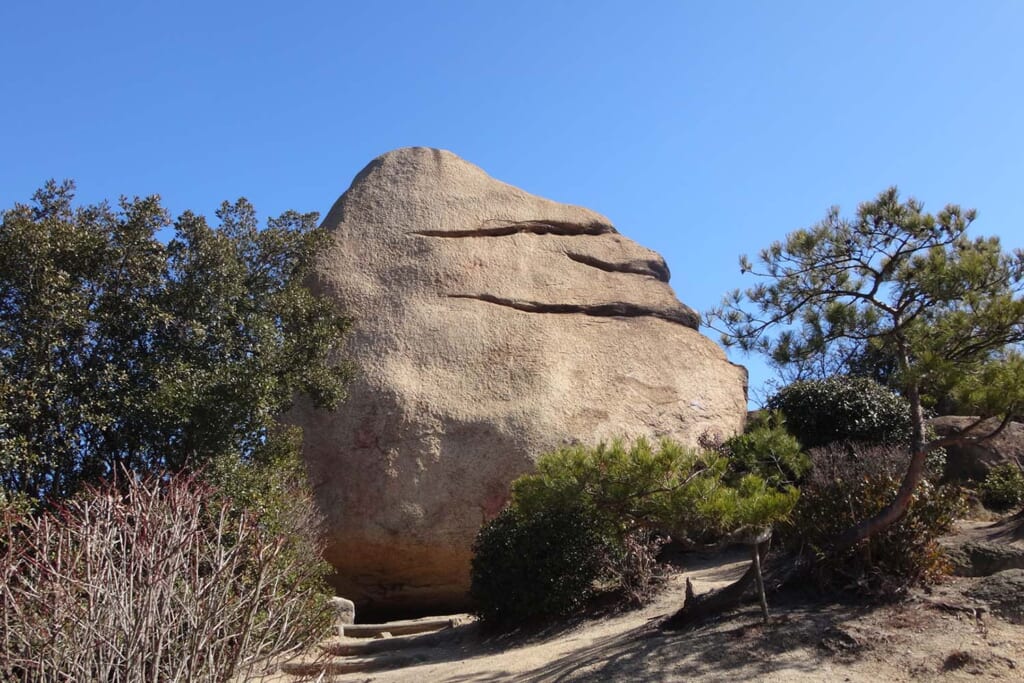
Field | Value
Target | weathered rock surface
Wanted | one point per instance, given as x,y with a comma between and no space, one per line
984,558
1004,593
491,326
975,460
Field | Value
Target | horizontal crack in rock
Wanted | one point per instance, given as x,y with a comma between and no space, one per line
616,309
651,268
524,227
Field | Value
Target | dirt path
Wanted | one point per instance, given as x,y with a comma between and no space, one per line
932,636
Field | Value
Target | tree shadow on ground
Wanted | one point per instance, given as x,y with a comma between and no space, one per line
734,645
1007,530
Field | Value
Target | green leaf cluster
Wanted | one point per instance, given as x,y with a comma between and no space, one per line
768,449
1003,488
665,487
120,350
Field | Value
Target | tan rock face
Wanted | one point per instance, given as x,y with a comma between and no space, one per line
491,326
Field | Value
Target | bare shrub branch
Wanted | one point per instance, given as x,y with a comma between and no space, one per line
156,580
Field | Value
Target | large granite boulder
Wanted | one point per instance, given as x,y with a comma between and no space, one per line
491,326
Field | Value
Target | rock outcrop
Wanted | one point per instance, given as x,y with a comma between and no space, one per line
974,460
984,558
491,326
1004,593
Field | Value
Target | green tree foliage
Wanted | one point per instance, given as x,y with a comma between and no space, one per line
538,564
665,488
876,360
118,350
768,449
948,307
820,412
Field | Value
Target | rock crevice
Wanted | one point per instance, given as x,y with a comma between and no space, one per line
612,309
505,229
656,269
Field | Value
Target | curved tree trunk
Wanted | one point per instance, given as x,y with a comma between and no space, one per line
892,512
920,449
895,510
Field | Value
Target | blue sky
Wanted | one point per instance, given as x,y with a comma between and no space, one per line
702,129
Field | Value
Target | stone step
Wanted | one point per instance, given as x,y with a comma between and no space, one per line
347,665
404,627
366,648
353,647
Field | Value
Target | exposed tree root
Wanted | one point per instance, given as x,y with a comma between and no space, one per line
710,604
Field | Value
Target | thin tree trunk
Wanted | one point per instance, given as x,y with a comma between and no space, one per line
760,581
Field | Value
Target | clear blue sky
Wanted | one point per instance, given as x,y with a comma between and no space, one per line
702,129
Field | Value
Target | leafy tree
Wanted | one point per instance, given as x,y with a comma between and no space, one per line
119,350
947,306
877,361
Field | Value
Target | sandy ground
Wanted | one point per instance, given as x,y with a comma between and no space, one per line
931,636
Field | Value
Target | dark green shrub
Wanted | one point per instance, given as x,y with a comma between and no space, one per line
1003,488
536,564
599,513
820,412
846,486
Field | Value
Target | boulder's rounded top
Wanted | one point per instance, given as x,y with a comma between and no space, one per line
417,185
417,161
415,169
418,154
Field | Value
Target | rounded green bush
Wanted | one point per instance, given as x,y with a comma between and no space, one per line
538,564
1003,488
854,409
